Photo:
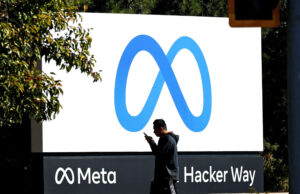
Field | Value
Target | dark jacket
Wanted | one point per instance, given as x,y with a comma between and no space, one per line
166,157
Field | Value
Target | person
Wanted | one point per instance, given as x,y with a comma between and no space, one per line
166,172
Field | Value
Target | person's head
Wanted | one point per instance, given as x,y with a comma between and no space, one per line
160,127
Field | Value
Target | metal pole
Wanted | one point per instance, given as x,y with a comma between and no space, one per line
293,59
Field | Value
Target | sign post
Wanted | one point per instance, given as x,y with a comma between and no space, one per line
294,95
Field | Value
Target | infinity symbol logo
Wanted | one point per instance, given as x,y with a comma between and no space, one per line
166,74
70,179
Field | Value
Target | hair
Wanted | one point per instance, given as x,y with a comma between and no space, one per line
160,123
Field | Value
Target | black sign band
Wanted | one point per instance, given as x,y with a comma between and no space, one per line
132,174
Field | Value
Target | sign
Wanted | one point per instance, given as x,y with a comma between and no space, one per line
198,74
132,174
254,13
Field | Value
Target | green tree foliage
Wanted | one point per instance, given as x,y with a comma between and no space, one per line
82,5
169,7
274,48
30,31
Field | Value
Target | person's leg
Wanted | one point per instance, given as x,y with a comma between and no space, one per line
163,187
153,188
172,187
160,187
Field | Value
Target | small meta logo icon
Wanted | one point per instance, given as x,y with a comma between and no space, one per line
66,174
166,74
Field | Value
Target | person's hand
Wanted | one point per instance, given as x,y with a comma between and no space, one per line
148,138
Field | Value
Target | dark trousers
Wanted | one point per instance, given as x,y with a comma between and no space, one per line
163,187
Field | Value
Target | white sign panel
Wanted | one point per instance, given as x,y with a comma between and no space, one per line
197,73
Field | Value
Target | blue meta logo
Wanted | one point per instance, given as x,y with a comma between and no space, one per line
166,74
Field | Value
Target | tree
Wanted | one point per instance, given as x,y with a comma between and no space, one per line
30,31
170,7
274,48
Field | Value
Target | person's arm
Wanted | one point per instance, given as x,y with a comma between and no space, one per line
153,145
151,142
163,147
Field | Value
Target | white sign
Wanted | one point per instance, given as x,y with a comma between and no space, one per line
197,73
